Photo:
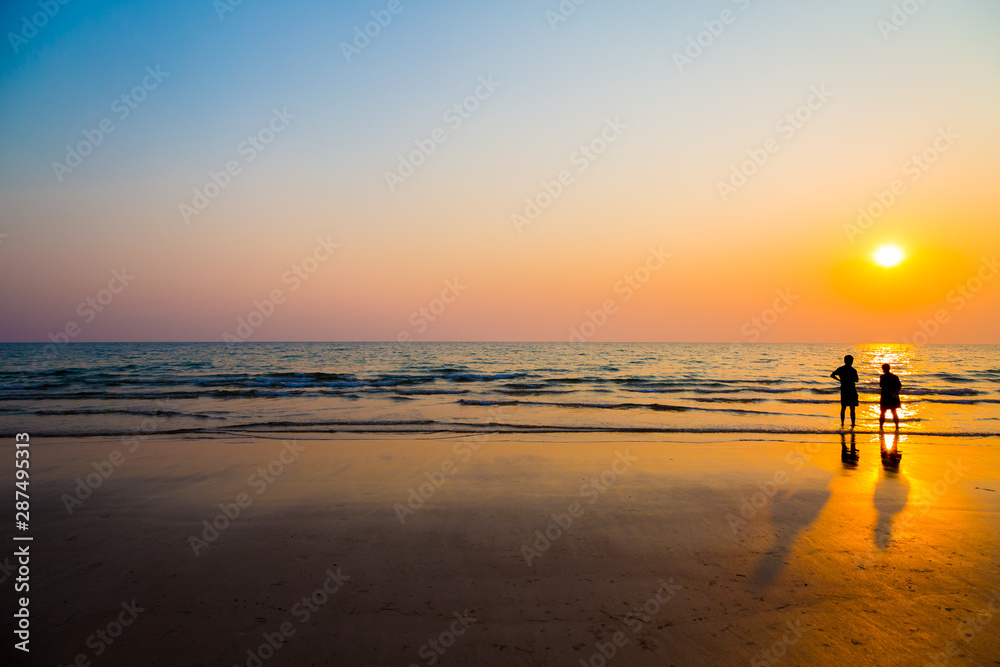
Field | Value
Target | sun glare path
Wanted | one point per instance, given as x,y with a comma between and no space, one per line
889,256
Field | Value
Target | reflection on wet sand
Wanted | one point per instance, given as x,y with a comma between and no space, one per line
849,458
891,454
891,492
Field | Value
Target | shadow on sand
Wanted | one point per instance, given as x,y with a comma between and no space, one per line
791,513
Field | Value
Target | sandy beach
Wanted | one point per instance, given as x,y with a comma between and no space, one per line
498,551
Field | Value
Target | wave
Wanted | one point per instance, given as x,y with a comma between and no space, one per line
180,377
118,411
949,377
655,407
351,390
599,406
919,391
431,392
960,401
534,392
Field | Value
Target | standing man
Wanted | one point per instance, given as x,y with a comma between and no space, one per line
848,377
889,399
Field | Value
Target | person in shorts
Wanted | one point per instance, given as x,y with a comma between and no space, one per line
848,377
889,399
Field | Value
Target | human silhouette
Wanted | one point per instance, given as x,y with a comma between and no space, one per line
889,400
848,377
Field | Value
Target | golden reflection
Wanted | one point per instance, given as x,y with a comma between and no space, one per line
891,492
905,361
891,454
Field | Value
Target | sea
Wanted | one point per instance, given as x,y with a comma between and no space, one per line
212,390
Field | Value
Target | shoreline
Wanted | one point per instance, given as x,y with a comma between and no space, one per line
540,434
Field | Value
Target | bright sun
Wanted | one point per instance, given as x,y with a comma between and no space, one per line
889,256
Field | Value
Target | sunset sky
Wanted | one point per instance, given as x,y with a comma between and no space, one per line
613,121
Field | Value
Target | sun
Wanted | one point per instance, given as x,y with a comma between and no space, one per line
889,256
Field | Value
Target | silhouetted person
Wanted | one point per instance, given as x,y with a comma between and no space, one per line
848,376
889,400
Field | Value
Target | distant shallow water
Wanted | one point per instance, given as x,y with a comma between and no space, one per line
124,389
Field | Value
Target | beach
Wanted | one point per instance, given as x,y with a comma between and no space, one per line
512,550
471,334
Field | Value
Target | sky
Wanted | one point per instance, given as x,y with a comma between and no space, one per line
518,171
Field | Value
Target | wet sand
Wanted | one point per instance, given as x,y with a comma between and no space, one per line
512,551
